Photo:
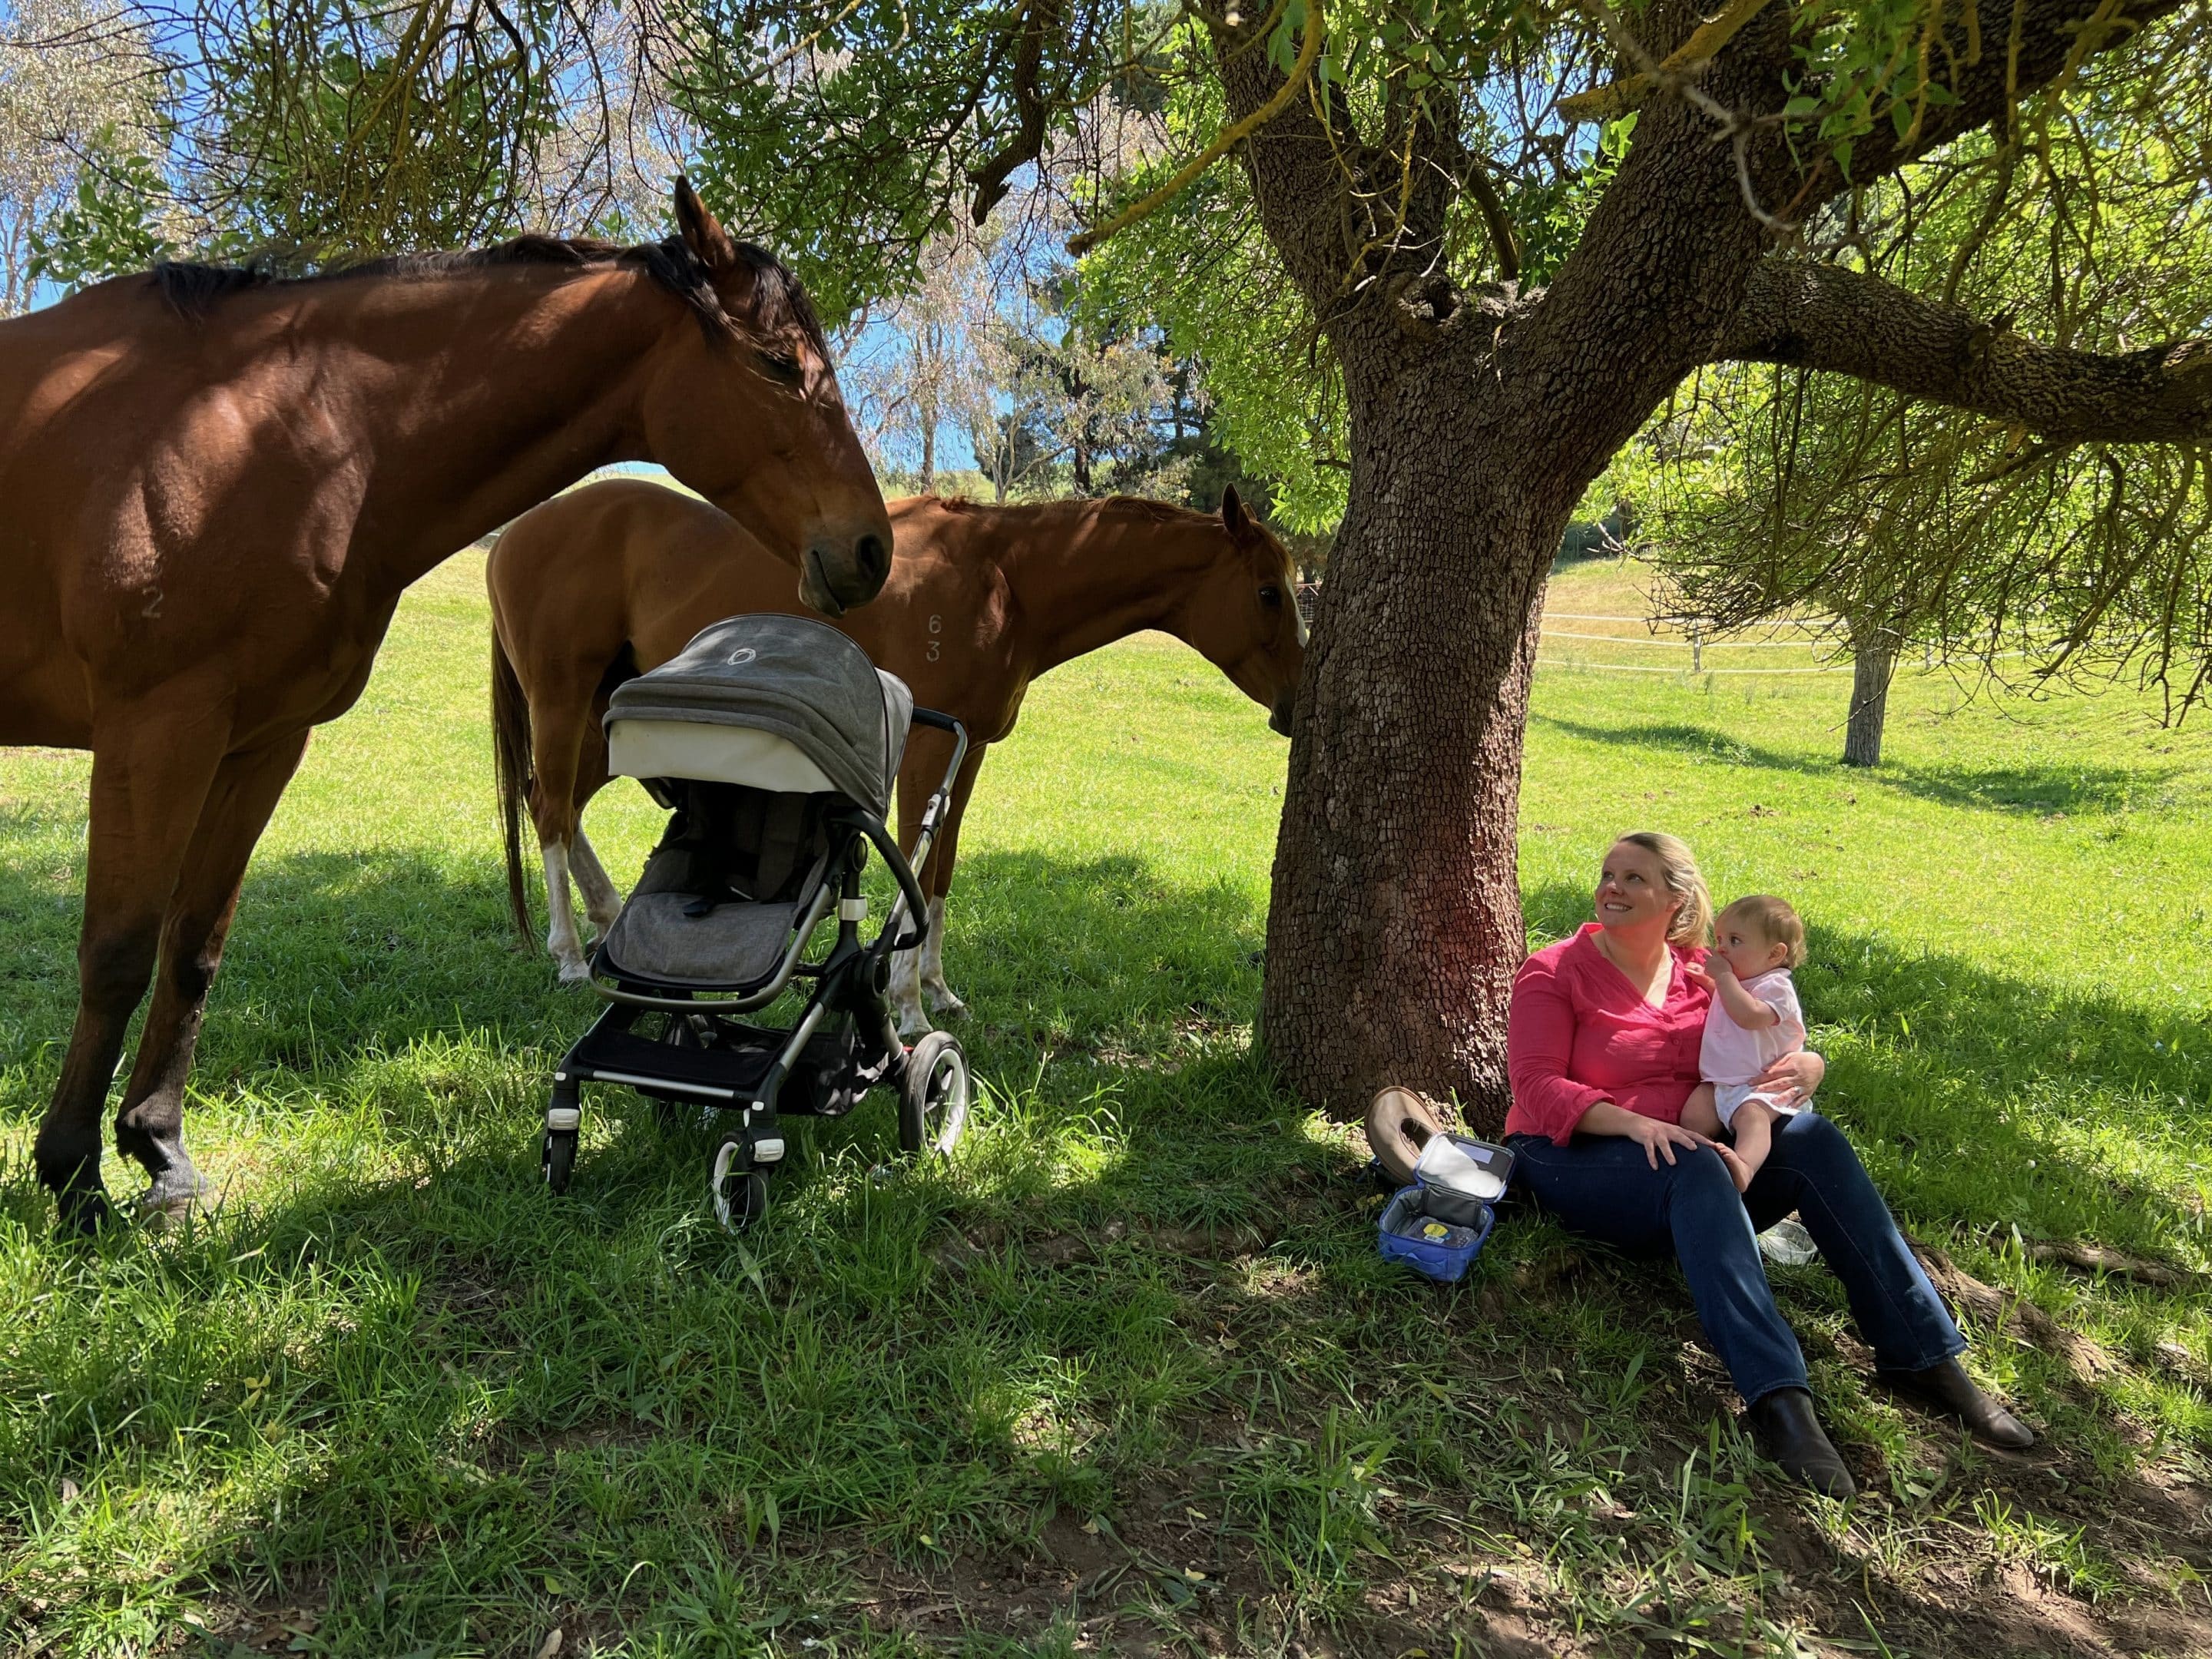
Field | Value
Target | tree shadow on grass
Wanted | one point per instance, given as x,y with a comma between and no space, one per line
2070,788
333,955
1146,1290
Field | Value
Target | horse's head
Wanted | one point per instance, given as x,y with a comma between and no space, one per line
745,408
1243,614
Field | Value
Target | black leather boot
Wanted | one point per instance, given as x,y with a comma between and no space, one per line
1948,1388
1783,1424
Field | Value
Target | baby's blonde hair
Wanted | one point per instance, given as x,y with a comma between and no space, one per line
1774,921
1693,921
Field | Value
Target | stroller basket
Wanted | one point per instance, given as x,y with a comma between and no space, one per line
775,742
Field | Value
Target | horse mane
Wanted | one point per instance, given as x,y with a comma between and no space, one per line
780,302
1138,506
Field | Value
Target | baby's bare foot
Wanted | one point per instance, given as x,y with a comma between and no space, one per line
1739,1171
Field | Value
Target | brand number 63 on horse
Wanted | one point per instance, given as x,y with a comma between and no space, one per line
774,742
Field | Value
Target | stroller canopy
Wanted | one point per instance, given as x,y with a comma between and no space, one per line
792,680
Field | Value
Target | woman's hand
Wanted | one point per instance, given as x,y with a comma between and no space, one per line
1658,1139
1793,1079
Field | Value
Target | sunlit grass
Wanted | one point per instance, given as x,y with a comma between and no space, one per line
1131,1351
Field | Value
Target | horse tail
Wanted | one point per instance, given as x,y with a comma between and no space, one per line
510,737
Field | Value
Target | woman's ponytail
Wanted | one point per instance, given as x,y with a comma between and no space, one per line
1693,922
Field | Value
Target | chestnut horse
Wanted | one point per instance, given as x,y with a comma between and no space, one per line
615,577
217,485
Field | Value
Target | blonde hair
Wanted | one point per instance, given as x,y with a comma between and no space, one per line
1693,921
1775,921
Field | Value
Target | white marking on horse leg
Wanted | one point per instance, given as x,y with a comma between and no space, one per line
906,993
603,901
561,914
941,998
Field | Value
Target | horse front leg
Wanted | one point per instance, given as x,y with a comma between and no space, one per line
919,773
151,772
149,1122
603,900
557,712
938,881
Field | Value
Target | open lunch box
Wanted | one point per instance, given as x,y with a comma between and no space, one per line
1436,1226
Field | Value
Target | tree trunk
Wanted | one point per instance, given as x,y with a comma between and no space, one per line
1871,669
1395,927
928,482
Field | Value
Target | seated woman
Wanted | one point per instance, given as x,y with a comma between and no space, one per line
1602,1047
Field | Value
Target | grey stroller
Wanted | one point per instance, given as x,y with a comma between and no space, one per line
774,742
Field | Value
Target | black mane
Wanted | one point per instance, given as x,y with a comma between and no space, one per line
780,302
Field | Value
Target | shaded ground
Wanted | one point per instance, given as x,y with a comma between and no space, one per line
1126,1376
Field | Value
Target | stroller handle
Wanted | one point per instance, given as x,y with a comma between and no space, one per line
908,921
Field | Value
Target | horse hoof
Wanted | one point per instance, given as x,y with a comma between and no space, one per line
914,1025
1399,1124
944,1002
82,1213
171,1198
576,972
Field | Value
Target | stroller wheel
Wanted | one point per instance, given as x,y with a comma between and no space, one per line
741,1194
933,1095
556,1157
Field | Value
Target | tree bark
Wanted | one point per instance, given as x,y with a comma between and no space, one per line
1846,322
1871,671
1396,928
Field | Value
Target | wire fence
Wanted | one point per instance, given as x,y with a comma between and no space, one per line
1697,643
1694,641
1812,632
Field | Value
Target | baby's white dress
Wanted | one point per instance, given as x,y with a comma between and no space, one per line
1731,1056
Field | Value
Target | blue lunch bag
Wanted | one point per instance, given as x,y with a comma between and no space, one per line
1437,1226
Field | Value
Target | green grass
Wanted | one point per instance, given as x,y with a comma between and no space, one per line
1127,1376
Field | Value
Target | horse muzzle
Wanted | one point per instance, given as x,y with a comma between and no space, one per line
1279,718
835,575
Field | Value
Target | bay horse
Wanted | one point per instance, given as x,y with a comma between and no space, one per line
217,485
614,578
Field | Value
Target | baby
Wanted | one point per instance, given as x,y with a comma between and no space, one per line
1754,1020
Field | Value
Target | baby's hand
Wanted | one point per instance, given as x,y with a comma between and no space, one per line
1717,963
1697,975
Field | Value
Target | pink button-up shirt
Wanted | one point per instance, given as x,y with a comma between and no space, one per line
1577,1032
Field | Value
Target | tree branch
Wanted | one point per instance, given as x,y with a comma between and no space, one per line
1225,141
2026,45
1298,166
1040,19
1824,317
1609,102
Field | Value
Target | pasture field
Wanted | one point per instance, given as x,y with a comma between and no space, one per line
1126,1377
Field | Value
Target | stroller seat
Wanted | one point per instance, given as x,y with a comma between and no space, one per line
670,941
741,873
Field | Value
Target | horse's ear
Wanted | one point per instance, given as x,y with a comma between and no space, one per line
1233,512
702,232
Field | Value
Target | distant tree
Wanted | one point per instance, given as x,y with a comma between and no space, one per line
929,359
79,88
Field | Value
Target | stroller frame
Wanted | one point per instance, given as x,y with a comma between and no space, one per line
844,1043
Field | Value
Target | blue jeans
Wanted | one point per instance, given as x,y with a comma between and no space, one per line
1602,1187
